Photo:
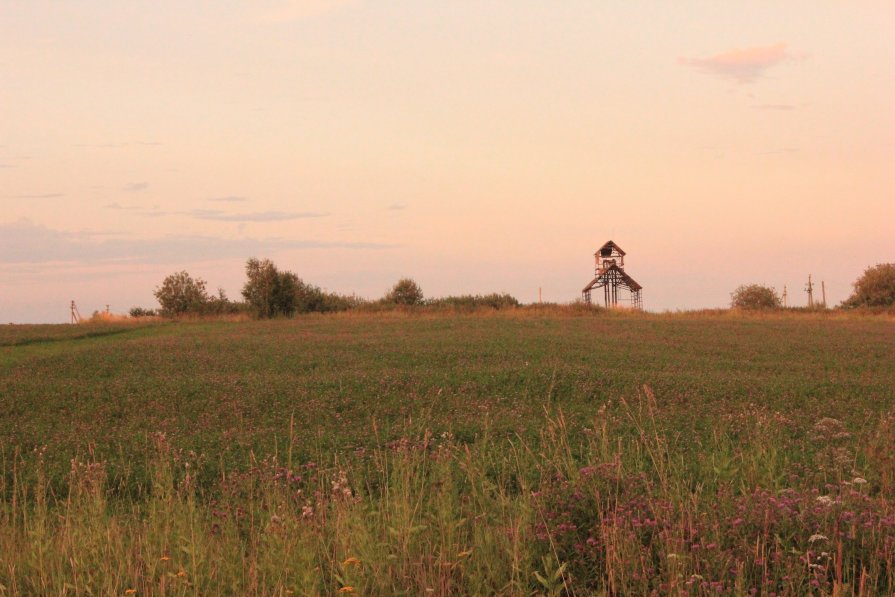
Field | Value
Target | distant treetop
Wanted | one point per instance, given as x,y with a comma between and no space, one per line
875,288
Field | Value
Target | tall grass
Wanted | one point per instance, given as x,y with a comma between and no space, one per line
618,508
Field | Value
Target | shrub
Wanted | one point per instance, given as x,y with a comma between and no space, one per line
222,305
405,292
180,293
472,302
311,299
755,296
141,312
875,287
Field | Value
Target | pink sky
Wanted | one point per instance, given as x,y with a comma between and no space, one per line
473,146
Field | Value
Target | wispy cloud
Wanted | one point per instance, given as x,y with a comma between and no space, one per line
258,216
779,151
118,145
296,10
744,65
39,196
397,207
136,187
25,242
229,199
777,107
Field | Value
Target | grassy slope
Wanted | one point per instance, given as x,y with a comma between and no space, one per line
227,388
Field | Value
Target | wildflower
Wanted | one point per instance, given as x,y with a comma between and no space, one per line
347,589
130,592
859,480
181,573
352,561
165,558
587,471
817,537
824,500
465,553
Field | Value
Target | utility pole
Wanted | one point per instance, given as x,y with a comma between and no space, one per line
810,290
784,296
823,291
539,295
75,314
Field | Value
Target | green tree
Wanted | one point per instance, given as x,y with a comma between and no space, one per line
180,293
755,296
875,287
405,292
269,291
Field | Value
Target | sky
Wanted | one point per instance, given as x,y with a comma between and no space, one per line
474,146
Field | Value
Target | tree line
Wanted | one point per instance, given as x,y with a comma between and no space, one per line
270,292
875,288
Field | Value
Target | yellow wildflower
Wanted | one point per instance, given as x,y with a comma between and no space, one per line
464,554
347,589
181,573
165,558
130,592
352,561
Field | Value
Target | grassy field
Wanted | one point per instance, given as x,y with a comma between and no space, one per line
512,453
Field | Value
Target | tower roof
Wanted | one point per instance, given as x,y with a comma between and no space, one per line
611,245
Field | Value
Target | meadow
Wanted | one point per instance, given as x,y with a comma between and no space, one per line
524,452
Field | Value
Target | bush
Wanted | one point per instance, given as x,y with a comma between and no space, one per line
405,292
141,312
180,293
875,288
221,305
473,302
755,296
311,299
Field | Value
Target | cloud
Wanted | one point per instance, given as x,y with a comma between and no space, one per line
397,207
117,205
779,150
40,196
296,10
258,216
745,65
118,145
135,187
778,107
229,199
24,242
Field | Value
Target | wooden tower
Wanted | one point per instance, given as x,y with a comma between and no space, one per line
609,274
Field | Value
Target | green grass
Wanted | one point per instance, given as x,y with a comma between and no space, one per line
564,454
